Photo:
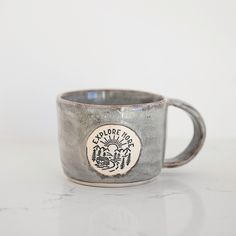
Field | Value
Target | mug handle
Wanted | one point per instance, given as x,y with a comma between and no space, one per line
198,138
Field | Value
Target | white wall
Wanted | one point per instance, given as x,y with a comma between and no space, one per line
183,49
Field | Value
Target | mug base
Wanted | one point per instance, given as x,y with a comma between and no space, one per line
111,185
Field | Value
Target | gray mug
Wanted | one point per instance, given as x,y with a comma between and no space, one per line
117,137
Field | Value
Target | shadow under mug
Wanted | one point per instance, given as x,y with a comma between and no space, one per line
117,137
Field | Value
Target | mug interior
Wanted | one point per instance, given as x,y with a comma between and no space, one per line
111,97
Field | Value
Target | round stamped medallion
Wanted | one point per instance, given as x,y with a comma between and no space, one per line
113,149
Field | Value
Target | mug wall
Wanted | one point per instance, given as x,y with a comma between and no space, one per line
77,121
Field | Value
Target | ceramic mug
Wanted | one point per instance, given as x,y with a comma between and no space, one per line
117,137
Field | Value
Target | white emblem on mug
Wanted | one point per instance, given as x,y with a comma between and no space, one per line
113,149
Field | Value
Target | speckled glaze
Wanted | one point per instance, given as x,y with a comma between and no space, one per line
82,112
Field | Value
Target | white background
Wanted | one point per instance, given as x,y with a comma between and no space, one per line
182,49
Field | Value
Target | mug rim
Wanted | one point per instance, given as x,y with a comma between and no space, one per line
61,98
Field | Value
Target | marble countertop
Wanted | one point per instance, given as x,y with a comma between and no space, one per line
37,199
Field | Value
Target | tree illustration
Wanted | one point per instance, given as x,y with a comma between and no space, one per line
99,152
94,155
126,151
128,160
122,165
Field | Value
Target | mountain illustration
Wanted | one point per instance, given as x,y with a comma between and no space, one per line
111,157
